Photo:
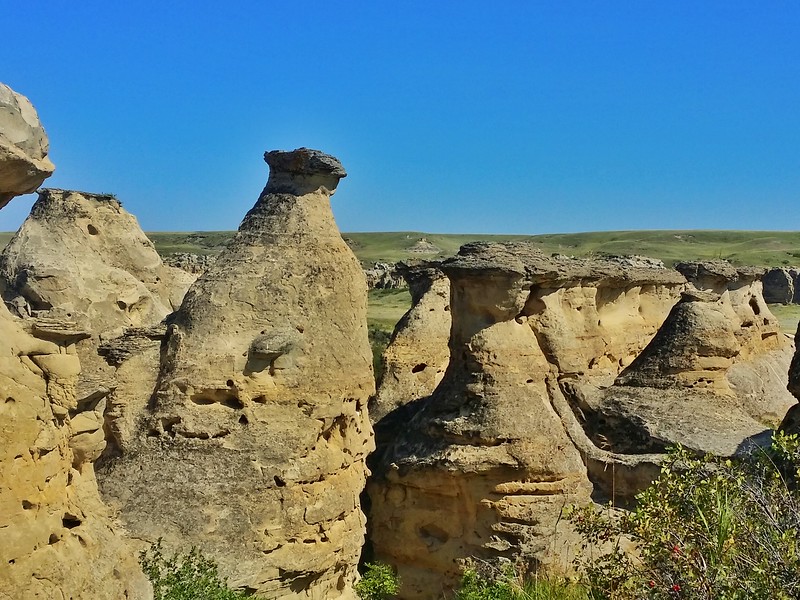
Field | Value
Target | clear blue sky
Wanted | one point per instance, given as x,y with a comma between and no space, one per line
449,116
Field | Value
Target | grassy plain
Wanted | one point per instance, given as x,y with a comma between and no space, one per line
764,248
767,248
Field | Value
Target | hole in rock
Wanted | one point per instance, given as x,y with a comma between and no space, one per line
300,329
279,482
92,229
418,368
447,308
529,381
121,305
754,305
203,400
233,402
229,383
243,420
433,534
260,399
53,539
9,400
26,505
12,561
70,521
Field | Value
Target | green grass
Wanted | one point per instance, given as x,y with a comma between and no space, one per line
764,248
788,315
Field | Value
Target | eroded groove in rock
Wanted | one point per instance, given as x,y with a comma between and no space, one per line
255,441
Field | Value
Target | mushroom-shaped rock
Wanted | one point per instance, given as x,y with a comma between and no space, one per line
24,163
259,413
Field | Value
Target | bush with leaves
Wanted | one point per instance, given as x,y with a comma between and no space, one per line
706,529
378,582
185,576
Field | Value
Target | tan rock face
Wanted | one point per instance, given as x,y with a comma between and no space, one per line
483,467
82,257
58,538
417,356
24,164
255,442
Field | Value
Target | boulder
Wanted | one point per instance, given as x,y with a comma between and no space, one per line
254,443
24,163
780,285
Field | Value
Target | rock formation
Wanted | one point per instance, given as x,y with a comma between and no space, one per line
196,264
384,276
417,355
82,257
485,464
24,164
255,440
58,540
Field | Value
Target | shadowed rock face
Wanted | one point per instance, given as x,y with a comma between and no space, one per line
485,464
255,440
24,164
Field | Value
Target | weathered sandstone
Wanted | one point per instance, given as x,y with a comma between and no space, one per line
417,355
82,257
24,164
58,540
485,464
712,379
254,443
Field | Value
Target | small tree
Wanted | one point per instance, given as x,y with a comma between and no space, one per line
378,582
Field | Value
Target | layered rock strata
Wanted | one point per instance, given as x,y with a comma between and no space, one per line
486,463
254,443
59,540
24,163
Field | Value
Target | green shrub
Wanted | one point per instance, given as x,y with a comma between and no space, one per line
378,582
706,529
185,576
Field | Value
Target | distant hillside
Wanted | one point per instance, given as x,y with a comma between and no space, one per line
767,248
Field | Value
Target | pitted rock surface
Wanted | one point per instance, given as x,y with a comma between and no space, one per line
255,441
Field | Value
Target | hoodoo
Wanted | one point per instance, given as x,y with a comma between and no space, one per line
58,540
254,442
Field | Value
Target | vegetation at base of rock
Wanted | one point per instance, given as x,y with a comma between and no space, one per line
378,340
188,576
706,529
378,582
508,586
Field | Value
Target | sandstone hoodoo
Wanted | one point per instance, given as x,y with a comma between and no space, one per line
255,440
58,540
84,258
486,463
416,358
24,163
